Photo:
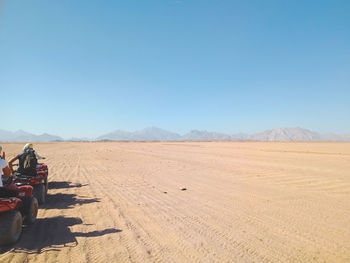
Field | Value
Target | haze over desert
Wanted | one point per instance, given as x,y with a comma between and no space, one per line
190,202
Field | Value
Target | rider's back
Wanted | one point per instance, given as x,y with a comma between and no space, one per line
27,163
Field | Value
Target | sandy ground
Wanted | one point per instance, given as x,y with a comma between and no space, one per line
244,202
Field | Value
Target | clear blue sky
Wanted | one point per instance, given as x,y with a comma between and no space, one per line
84,68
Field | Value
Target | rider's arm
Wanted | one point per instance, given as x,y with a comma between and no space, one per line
3,156
11,161
6,171
38,156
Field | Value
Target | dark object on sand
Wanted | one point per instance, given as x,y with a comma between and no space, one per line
183,189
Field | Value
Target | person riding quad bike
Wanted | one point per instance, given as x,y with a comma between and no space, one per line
29,173
10,217
4,171
28,161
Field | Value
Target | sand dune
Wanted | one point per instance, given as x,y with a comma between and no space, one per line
244,202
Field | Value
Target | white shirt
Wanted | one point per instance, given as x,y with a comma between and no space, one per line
3,164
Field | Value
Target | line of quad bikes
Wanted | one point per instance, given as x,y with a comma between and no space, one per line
22,209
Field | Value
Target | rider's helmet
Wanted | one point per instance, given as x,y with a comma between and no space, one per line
27,147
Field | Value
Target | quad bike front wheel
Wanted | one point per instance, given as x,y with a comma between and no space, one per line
40,193
30,211
10,227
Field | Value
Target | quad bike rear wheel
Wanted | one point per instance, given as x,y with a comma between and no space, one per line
10,227
46,186
30,210
40,193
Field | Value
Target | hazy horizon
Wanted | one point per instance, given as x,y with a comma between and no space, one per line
85,68
158,132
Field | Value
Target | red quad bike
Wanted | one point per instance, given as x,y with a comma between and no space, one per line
15,209
10,220
39,182
43,170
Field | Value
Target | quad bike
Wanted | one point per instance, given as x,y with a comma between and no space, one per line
15,209
10,220
38,182
43,170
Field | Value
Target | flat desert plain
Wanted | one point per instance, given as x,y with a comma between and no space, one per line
190,202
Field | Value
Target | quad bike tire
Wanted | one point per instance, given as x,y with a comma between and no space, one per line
30,210
40,193
10,227
46,185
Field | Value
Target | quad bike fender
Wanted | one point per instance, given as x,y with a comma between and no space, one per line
36,180
8,204
24,191
42,174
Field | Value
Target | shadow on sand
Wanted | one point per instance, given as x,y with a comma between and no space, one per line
66,201
64,185
52,234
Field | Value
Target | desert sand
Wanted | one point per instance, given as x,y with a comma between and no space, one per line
190,202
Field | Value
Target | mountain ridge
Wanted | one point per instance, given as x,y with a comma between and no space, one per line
23,136
157,134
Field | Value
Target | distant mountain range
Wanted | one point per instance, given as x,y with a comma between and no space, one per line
22,136
280,134
286,134
157,134
147,134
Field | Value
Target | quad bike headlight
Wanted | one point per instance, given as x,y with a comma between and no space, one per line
22,194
